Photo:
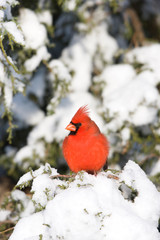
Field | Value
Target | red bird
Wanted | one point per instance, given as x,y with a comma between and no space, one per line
85,148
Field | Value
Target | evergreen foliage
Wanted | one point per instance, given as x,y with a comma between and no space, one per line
49,55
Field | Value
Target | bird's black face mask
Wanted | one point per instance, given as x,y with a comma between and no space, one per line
77,125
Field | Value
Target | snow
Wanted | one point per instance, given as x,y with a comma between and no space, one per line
9,78
32,63
71,5
134,176
129,97
6,8
6,81
37,85
59,70
27,205
79,55
45,128
116,77
89,207
43,169
5,2
4,214
8,93
105,215
45,17
28,151
144,115
1,15
26,112
35,35
2,72
125,133
71,56
34,32
149,56
155,168
11,27
35,228
44,191
106,43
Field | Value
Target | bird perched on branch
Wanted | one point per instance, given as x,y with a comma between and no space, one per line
85,148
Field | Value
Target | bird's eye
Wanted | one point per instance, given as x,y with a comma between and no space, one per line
77,125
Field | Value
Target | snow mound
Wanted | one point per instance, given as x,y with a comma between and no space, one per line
35,33
129,97
92,207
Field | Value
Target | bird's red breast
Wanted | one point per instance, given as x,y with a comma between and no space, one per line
85,148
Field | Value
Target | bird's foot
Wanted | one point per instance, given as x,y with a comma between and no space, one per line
93,172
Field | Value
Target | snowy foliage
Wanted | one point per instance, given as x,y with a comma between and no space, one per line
56,56
10,79
7,25
35,35
9,83
123,95
122,83
90,207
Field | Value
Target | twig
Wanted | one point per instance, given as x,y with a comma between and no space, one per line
7,230
138,38
7,221
125,148
6,57
63,176
113,177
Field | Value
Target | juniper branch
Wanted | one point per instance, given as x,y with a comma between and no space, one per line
6,57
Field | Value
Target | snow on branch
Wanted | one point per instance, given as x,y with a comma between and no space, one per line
90,207
10,77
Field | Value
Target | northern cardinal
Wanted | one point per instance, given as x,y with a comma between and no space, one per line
85,148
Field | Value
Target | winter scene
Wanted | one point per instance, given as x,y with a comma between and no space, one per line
80,120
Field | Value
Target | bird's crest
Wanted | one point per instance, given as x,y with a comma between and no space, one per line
81,115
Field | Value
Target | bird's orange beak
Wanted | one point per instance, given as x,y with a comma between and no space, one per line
71,127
